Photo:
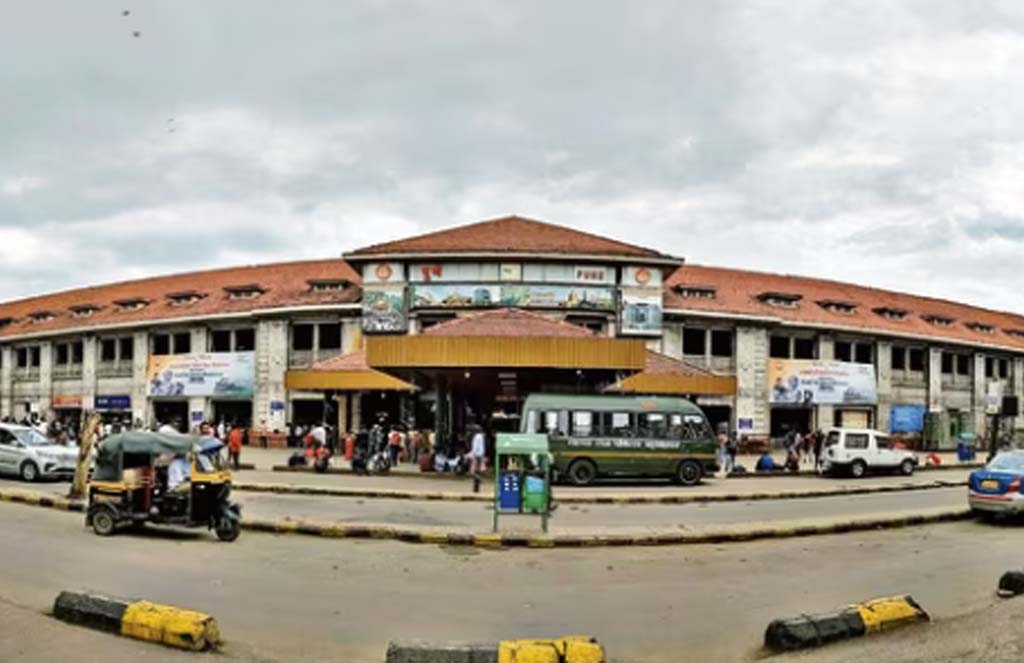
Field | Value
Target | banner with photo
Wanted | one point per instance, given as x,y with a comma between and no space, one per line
821,382
384,310
482,295
641,311
228,374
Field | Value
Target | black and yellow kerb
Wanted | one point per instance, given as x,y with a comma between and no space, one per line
164,624
851,622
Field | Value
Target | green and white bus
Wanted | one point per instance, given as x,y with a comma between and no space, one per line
603,436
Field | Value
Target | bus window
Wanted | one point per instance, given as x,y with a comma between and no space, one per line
653,425
675,428
695,428
619,424
556,422
531,421
582,424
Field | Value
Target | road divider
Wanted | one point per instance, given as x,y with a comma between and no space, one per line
36,498
679,498
141,620
585,539
711,535
570,649
853,621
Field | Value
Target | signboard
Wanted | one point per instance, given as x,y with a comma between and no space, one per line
197,417
821,382
229,374
483,295
745,424
66,402
641,311
907,418
277,406
382,272
594,274
384,310
113,402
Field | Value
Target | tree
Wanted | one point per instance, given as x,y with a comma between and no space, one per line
87,440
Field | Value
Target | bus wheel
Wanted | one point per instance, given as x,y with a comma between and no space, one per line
689,473
582,472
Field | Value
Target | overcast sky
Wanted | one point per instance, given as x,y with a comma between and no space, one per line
875,142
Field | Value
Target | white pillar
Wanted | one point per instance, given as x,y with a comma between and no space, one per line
45,379
827,351
6,381
271,367
979,391
752,380
141,409
89,352
883,369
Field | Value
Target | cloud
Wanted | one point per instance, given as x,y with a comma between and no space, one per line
870,142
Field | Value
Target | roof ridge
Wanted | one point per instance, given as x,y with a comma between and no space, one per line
83,290
845,284
448,230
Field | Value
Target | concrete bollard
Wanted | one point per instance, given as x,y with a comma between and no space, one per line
571,649
1011,584
142,620
853,621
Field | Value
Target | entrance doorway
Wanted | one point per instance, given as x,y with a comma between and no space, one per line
854,419
233,412
785,419
174,413
307,412
719,416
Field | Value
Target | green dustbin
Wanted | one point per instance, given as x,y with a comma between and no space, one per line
535,495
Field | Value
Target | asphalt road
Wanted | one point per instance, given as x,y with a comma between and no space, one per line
286,598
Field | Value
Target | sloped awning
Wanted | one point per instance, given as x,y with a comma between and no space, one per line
665,375
503,338
348,372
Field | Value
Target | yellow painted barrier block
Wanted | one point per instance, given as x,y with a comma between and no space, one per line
185,629
886,613
569,649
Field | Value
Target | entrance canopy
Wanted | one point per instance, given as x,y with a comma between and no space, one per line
348,372
505,338
664,375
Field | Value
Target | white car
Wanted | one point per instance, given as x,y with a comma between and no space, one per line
27,453
859,450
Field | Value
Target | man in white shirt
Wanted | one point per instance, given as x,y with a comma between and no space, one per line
319,434
477,454
179,473
167,428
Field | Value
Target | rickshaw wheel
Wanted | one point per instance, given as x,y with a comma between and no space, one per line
103,523
228,530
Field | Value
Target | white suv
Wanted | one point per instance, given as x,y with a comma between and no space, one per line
858,450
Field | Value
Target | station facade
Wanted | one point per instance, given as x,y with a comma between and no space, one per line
461,324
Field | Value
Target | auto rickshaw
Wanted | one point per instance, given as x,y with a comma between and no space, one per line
129,485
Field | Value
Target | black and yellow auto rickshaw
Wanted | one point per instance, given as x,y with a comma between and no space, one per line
132,485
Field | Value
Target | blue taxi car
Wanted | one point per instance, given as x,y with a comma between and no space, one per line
996,488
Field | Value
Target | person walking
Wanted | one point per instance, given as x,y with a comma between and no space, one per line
235,438
722,440
477,456
819,443
731,448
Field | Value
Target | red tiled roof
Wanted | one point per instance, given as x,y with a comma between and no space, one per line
510,234
353,361
508,322
659,364
737,291
285,284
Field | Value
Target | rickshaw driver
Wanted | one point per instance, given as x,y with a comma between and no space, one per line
178,475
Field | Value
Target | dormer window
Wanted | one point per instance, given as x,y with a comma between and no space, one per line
695,291
184,298
6,321
131,304
41,316
780,299
251,291
83,310
892,313
938,320
981,327
838,306
1016,333
328,285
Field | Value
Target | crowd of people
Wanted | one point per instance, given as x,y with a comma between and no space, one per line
802,450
